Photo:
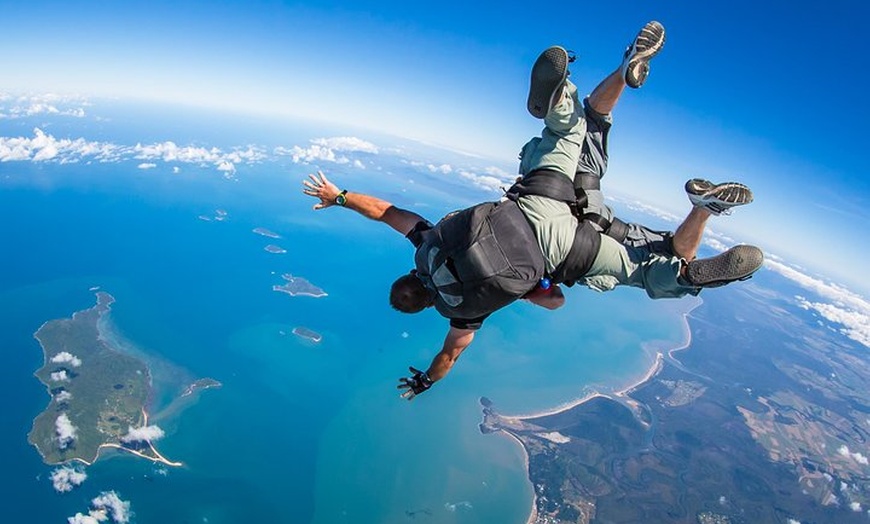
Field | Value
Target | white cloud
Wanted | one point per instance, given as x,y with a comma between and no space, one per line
59,376
855,506
226,166
793,521
841,306
94,518
44,147
328,150
63,396
110,502
493,179
856,456
347,143
443,168
65,357
715,244
66,478
107,505
143,434
641,207
47,104
66,432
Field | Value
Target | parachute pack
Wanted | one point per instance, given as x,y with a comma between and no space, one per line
479,259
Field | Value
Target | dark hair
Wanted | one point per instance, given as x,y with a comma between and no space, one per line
409,295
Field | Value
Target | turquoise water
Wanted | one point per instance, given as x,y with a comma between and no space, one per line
299,432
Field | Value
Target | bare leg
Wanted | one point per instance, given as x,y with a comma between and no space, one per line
606,94
687,238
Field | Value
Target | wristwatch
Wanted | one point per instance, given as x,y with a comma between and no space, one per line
341,198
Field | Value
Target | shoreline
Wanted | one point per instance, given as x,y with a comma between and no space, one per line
619,396
103,306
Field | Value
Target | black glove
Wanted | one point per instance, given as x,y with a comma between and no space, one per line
418,383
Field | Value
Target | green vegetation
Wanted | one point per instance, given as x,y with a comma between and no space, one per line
108,389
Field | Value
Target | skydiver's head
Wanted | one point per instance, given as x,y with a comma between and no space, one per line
409,294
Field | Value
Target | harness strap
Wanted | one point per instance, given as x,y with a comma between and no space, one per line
598,220
617,230
587,241
546,183
587,182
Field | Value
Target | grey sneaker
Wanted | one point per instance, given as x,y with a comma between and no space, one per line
738,263
635,63
717,198
548,78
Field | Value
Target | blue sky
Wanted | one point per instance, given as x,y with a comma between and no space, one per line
768,94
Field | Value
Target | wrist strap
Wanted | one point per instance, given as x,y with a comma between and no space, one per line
341,198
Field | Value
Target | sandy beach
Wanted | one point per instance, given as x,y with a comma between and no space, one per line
620,395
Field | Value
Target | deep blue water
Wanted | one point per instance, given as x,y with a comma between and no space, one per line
300,432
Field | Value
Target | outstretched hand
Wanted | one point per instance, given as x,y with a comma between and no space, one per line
416,384
320,188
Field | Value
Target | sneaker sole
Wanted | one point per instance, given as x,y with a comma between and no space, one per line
647,44
732,193
548,74
738,263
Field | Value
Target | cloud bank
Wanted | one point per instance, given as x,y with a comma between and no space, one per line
333,150
840,306
44,147
12,107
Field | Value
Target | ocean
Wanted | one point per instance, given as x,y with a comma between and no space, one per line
300,431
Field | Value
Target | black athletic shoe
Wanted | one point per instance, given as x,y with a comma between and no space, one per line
717,198
548,78
738,263
635,63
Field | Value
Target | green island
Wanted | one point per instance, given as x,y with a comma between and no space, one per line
97,392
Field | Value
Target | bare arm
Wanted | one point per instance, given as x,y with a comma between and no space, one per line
552,298
454,344
368,206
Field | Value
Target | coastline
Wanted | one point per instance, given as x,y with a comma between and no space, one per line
103,307
620,395
158,458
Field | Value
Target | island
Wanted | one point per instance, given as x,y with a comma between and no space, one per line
201,385
265,232
99,394
272,248
755,418
298,286
308,334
